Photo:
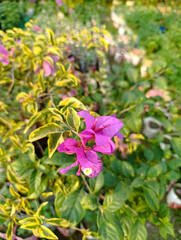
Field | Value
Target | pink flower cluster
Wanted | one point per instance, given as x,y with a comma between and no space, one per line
99,131
47,67
4,55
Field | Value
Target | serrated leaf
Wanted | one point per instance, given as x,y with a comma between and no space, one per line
44,131
138,231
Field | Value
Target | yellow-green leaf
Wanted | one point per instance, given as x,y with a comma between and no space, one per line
12,177
46,232
44,131
73,119
41,80
9,231
72,102
13,192
59,222
53,141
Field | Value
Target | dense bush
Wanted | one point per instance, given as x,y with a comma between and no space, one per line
46,79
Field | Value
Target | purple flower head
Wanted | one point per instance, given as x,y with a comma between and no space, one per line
101,129
87,159
36,28
59,2
47,67
4,55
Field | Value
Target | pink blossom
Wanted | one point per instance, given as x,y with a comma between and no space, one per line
36,28
154,93
102,129
4,55
87,159
47,67
59,2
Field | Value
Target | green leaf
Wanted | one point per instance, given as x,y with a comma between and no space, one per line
166,228
134,122
97,182
41,80
176,145
44,131
50,36
35,180
59,199
40,208
116,200
72,209
37,116
151,199
46,232
149,154
137,182
109,226
138,231
12,177
58,222
89,202
3,216
157,170
173,175
127,169
73,119
53,141
73,103
132,74
9,231
39,188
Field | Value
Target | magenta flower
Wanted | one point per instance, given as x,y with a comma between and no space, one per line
59,2
87,159
101,130
4,55
36,28
47,67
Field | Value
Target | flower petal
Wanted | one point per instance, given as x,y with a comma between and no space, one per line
69,146
101,139
89,120
64,170
107,148
47,68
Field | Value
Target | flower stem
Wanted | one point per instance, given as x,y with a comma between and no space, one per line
87,185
